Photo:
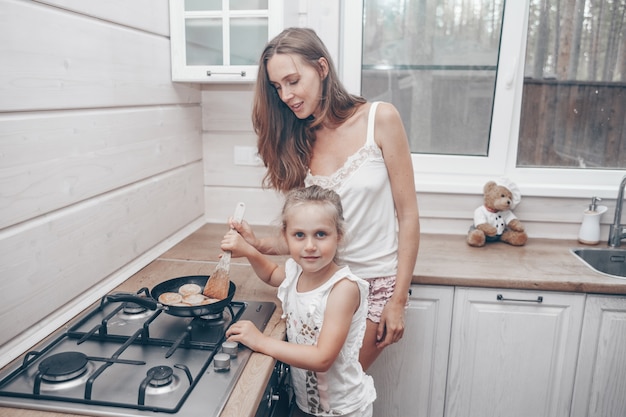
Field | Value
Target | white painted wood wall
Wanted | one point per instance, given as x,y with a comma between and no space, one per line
100,155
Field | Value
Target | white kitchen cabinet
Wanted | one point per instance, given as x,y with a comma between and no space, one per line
410,376
513,353
601,373
221,40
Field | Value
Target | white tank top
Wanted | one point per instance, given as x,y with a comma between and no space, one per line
344,388
371,245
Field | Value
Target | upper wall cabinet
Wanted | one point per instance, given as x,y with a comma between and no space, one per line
221,40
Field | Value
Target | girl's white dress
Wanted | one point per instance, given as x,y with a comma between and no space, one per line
344,388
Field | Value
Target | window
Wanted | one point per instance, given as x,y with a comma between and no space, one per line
574,98
456,71
437,63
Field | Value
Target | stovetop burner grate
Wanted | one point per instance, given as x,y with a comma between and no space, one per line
106,361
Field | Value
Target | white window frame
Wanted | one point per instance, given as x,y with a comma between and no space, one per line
459,174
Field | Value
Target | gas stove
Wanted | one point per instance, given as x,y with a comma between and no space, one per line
121,359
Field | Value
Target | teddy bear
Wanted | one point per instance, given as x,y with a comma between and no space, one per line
494,220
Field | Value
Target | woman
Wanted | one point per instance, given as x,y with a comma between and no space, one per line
312,131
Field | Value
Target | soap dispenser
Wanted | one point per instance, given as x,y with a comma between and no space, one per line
590,228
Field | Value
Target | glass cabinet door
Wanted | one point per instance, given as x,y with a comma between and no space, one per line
221,40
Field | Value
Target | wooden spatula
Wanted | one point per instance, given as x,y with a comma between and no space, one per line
218,284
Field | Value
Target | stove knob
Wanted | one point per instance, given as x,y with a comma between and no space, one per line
231,348
221,362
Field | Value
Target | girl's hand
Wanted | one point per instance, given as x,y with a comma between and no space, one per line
244,229
272,245
244,331
234,242
266,269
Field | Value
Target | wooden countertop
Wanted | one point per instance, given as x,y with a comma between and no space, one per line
542,264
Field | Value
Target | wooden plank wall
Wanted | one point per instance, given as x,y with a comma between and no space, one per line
100,153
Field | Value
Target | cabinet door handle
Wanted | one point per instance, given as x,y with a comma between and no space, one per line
500,297
242,73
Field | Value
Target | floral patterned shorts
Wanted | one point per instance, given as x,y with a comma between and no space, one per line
381,290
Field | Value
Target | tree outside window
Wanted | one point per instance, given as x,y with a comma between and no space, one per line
437,61
574,97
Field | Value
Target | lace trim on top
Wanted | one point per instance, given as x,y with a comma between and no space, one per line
353,163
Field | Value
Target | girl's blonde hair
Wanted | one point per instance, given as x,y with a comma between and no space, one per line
315,194
284,141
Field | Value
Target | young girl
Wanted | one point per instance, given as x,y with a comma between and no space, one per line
324,305
312,131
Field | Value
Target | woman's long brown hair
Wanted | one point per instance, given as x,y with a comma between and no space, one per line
284,141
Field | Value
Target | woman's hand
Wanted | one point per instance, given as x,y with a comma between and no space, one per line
391,327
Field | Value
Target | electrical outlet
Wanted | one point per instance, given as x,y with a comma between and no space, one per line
247,155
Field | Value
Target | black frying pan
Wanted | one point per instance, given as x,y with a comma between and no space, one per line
172,285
